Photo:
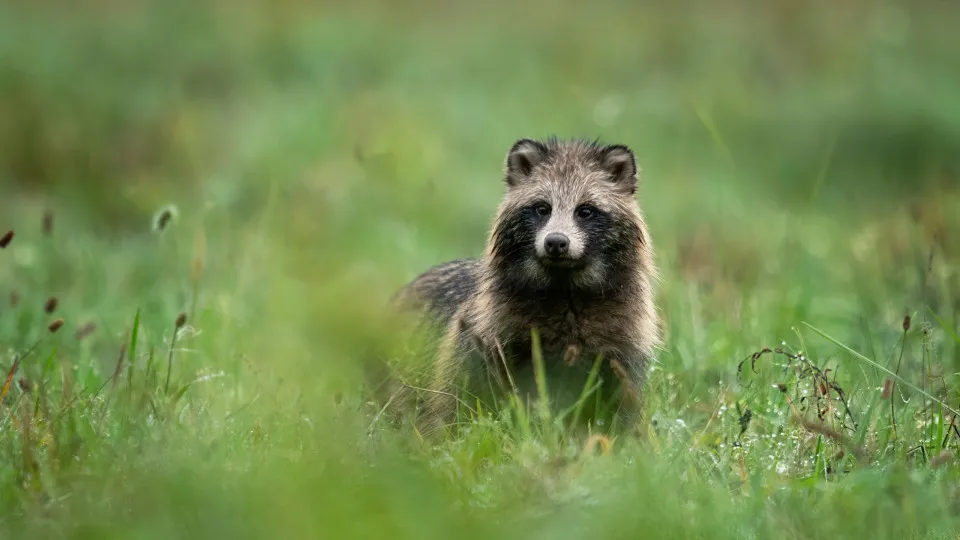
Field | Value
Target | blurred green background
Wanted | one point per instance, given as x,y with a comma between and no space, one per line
801,164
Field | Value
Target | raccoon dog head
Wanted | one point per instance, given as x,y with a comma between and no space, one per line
569,217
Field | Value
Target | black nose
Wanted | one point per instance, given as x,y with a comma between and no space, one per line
556,244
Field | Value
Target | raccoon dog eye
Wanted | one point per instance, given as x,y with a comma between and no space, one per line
543,209
584,212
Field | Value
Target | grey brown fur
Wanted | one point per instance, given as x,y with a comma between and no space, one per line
569,254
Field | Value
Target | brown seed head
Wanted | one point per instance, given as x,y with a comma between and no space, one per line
571,355
48,223
164,219
943,458
887,389
598,440
6,239
181,320
85,330
24,384
51,304
906,323
14,298
55,325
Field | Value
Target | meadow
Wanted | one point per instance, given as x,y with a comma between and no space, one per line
209,202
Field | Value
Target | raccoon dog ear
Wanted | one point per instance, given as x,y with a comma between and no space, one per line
619,161
523,157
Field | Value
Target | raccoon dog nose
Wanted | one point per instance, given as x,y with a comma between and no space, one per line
556,244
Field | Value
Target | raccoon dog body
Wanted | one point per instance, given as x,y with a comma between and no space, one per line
569,256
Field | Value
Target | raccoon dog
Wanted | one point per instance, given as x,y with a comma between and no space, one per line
569,260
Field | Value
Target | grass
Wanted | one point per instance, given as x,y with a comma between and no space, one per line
221,199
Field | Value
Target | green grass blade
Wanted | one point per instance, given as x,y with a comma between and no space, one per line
541,377
132,350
